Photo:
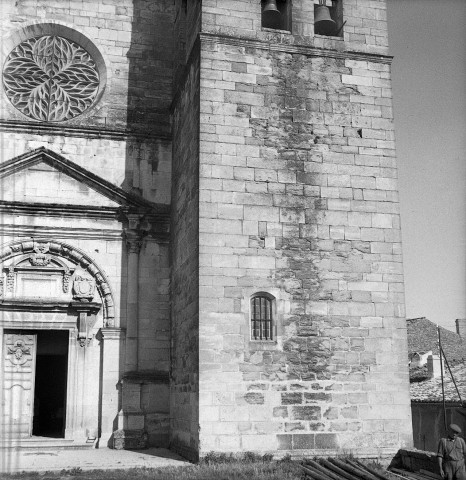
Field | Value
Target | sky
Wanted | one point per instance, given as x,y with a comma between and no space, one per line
428,41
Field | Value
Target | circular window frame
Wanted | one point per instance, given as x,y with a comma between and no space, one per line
58,30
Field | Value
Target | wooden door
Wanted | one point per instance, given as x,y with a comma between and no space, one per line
19,365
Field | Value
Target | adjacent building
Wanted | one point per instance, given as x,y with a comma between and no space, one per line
437,388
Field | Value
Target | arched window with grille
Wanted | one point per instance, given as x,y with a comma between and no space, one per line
262,317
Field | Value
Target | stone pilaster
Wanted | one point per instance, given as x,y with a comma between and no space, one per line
112,343
131,433
133,244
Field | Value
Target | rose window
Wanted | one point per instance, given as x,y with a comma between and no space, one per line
50,78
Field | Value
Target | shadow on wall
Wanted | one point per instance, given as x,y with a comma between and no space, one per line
143,417
149,86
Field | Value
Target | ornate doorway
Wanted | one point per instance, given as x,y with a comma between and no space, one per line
52,332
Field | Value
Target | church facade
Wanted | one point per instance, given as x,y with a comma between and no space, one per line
200,235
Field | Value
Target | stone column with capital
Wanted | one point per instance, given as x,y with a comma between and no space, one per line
131,432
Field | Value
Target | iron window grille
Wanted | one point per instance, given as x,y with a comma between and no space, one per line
261,318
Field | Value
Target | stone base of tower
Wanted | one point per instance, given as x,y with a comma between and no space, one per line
130,439
140,423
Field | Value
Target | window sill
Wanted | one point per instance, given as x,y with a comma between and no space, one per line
276,30
333,37
262,344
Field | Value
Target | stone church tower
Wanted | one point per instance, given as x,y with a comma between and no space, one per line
200,237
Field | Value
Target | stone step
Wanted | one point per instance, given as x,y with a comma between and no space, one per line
44,443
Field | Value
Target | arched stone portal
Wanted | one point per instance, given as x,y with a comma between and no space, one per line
34,247
49,319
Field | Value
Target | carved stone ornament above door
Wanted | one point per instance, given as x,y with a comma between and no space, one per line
50,78
70,279
39,268
40,257
83,286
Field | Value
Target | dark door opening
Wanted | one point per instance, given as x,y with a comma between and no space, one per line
50,384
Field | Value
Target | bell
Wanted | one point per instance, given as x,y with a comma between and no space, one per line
271,16
323,23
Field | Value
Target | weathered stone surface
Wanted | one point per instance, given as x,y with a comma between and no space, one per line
285,442
318,223
326,441
305,441
317,397
306,413
254,398
129,440
292,398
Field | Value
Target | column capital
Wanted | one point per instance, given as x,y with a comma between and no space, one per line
111,333
133,239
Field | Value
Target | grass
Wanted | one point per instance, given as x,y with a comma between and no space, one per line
213,467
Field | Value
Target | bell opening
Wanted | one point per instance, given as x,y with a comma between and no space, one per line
276,14
325,27
271,19
324,24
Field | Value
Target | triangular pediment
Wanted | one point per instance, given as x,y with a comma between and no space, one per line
45,177
43,183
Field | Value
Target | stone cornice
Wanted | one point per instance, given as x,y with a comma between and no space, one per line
110,333
306,50
51,233
79,211
26,231
60,210
64,322
47,305
32,127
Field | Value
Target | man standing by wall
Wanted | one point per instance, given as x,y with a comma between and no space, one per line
451,451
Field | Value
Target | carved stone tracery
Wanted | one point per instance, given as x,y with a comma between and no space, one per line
66,280
10,279
50,78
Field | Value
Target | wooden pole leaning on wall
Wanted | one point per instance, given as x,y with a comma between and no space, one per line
441,374
451,375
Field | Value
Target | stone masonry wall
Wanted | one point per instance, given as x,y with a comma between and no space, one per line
186,31
184,397
298,198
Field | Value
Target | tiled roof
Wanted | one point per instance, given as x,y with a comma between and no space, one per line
422,337
430,390
418,374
